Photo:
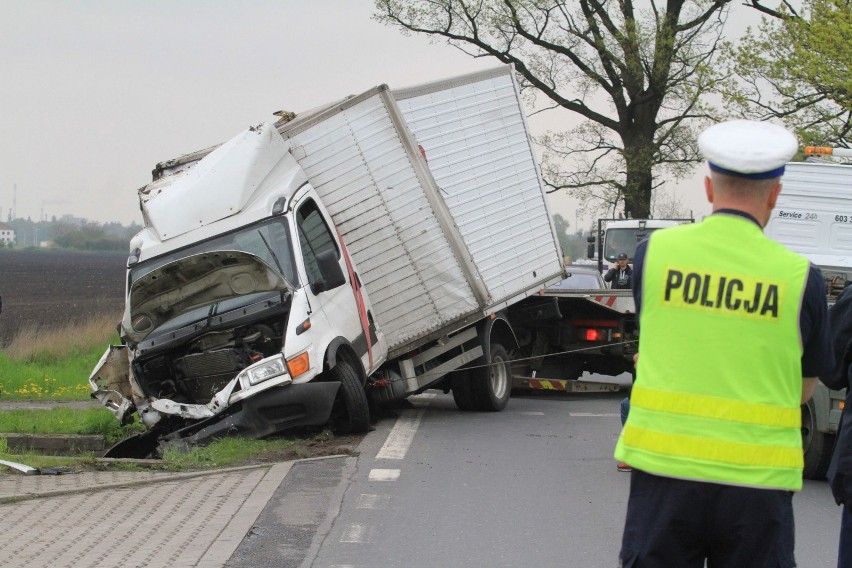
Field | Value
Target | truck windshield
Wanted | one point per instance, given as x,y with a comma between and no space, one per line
624,240
268,240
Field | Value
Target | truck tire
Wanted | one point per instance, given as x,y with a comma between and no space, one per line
351,411
817,446
462,392
492,385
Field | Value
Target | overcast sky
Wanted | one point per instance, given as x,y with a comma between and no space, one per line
94,93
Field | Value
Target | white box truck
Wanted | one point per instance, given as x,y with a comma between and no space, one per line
813,216
360,253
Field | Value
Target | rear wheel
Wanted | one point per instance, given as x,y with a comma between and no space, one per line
817,446
351,411
462,392
491,385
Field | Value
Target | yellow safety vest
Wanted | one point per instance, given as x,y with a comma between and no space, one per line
719,376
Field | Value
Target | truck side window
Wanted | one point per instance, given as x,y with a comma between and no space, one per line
314,237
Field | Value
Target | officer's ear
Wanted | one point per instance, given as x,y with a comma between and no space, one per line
772,196
708,188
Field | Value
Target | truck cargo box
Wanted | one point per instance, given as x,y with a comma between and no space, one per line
438,199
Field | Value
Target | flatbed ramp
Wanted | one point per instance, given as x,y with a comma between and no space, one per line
532,383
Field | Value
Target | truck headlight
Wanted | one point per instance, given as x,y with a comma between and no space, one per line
265,370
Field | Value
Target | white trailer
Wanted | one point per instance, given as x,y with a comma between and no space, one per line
813,216
366,250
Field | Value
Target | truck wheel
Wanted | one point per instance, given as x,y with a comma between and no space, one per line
351,411
817,446
462,392
492,385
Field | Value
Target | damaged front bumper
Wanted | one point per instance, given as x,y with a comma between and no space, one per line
261,400
274,410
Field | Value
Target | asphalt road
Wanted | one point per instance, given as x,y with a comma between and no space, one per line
534,485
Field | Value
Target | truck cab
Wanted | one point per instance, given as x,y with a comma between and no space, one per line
616,236
239,294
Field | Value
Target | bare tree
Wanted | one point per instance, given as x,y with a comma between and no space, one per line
635,72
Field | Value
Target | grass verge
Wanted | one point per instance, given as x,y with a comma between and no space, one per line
55,363
97,421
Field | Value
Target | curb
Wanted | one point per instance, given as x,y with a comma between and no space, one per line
55,444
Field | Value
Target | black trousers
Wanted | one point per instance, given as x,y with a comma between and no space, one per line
674,523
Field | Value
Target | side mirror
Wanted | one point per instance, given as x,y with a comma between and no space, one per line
332,274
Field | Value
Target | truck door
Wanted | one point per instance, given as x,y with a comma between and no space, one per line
346,316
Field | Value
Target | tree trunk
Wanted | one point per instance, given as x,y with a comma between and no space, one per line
639,160
637,197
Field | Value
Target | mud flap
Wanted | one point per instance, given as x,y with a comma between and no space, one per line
137,446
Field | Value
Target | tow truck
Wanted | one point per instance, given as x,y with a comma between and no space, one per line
813,216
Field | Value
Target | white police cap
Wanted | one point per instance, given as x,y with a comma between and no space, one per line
746,148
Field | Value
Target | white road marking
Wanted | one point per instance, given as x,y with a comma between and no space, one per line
361,534
384,474
590,414
532,413
370,501
401,436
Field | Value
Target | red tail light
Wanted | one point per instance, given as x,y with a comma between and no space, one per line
592,334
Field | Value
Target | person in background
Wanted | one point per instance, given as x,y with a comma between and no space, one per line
734,332
840,377
620,275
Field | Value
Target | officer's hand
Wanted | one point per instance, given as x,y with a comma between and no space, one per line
841,488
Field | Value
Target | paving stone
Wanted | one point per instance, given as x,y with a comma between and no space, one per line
169,520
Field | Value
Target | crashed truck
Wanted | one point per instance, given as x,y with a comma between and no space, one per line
304,271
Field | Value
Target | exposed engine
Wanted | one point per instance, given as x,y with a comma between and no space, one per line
196,372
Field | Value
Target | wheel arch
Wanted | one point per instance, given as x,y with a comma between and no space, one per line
497,329
340,349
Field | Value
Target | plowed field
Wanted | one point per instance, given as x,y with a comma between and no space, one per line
46,289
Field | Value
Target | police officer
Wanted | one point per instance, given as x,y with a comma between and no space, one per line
619,274
840,377
733,333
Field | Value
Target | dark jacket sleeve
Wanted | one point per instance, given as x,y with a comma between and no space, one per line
840,469
609,275
840,327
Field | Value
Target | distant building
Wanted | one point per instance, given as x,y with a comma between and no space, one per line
7,234
69,219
